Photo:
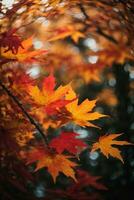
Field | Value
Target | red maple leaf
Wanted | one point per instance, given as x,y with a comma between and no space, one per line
85,179
76,189
49,83
10,40
67,141
54,107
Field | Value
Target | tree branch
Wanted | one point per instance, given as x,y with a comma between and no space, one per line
99,31
32,121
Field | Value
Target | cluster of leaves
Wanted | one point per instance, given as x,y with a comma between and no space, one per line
37,115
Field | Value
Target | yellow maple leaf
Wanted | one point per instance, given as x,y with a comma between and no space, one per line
82,113
24,54
105,145
55,163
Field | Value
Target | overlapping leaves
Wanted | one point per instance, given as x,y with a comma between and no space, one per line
54,101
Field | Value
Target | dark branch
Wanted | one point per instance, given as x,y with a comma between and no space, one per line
83,11
15,99
99,31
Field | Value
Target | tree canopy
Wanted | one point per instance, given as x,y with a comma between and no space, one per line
66,99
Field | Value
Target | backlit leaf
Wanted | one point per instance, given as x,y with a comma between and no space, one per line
55,163
67,141
82,113
105,144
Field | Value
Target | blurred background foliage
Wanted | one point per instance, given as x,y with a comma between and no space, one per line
91,44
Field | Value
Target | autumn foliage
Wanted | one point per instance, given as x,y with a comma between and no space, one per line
50,52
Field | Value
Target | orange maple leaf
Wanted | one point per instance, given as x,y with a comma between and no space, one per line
55,163
105,145
82,113
64,32
24,54
47,96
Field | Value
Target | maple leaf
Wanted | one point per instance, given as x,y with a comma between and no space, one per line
62,33
76,189
21,81
105,145
23,55
49,83
55,163
67,141
47,94
82,113
48,97
10,41
85,179
54,107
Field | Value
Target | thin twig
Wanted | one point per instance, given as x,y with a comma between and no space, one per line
15,99
83,11
99,31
